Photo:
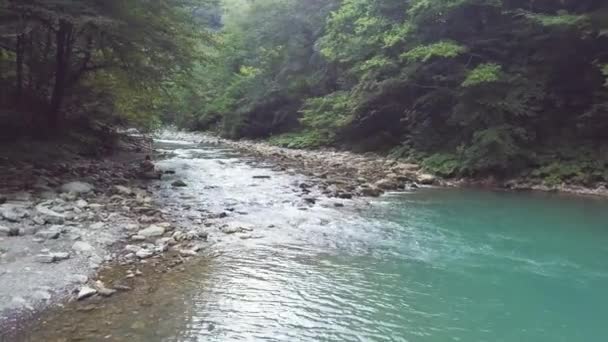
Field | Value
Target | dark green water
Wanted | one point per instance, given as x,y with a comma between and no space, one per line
430,266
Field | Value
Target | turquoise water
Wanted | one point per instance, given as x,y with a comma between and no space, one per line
428,266
436,265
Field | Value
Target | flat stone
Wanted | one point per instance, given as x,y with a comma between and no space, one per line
261,177
49,234
86,292
77,187
152,231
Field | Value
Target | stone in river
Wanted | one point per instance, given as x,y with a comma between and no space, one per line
261,177
179,184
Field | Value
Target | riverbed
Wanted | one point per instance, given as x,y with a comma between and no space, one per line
424,265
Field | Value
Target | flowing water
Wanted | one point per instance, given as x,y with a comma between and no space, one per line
432,265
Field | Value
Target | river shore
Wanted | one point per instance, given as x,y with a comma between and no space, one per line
65,219
345,174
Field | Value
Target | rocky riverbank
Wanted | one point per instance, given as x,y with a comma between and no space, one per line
339,174
345,174
64,218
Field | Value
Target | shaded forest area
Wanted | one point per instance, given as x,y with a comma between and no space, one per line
465,87
89,62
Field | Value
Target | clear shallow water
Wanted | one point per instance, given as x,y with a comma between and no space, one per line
433,265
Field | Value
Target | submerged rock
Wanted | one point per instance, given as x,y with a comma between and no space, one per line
179,184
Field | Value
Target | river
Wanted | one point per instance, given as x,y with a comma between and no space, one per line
431,265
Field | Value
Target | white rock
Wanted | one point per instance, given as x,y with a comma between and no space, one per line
144,253
152,231
82,247
77,187
123,190
86,292
48,212
132,248
82,203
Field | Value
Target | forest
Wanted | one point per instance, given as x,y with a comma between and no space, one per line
508,88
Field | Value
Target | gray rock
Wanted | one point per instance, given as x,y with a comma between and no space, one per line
13,213
138,238
6,231
82,247
86,292
152,231
144,253
50,215
77,187
52,257
82,203
49,233
261,177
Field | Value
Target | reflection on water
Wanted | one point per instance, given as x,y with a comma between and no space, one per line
435,265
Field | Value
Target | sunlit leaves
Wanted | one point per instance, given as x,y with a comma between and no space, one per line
483,73
445,49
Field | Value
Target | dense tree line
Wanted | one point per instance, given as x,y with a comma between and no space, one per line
467,87
107,60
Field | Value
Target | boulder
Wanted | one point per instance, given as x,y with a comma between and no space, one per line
426,179
77,187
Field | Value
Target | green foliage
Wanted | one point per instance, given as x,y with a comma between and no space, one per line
483,73
562,19
444,49
442,164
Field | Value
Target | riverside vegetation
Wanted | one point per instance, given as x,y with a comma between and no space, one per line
465,88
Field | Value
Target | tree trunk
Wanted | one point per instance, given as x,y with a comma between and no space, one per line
20,58
62,69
